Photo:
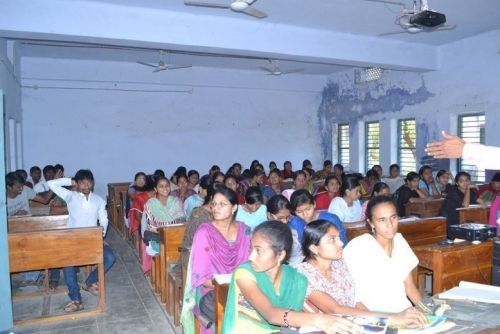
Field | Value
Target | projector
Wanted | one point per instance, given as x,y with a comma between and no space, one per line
472,232
428,18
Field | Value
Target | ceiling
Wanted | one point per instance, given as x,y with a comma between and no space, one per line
321,36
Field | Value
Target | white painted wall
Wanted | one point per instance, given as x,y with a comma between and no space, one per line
9,84
230,116
468,81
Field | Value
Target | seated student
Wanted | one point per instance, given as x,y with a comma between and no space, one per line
218,177
274,187
323,199
426,182
142,195
231,182
302,204
488,192
253,212
367,183
381,263
310,186
266,294
18,195
379,189
279,208
338,171
182,192
49,173
194,180
35,175
461,195
287,172
85,210
379,171
347,206
443,182
160,210
394,180
331,287
136,186
408,192
325,172
218,247
299,182
197,200
494,219
24,175
181,170
272,165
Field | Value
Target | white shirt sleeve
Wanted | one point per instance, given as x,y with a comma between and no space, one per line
484,157
103,217
337,207
57,185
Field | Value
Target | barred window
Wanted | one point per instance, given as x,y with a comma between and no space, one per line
372,144
471,129
343,144
407,138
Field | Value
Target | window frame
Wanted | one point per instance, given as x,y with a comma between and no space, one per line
341,140
477,175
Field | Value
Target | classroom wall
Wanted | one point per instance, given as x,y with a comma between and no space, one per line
467,82
120,118
9,83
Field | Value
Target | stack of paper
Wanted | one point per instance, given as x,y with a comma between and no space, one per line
473,291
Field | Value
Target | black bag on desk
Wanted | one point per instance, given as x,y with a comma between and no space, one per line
150,236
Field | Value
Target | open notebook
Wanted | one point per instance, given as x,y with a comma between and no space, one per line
473,291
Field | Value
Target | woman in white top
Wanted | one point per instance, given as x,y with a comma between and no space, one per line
381,263
347,206
394,180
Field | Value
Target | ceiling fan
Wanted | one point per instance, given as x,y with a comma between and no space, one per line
276,71
239,6
161,65
417,19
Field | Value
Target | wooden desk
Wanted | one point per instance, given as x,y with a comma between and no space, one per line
36,223
416,232
221,291
451,264
424,209
476,213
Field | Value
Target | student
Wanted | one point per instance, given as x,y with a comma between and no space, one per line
394,180
338,171
18,195
183,191
488,192
198,199
323,199
408,192
461,195
219,246
331,287
266,294
85,210
379,189
325,172
347,206
299,182
253,212
378,169
287,172
381,263
274,187
59,171
49,173
194,180
367,183
426,182
443,182
231,182
35,174
302,204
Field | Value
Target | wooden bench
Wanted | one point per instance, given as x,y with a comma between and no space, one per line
55,249
474,213
170,238
114,204
36,223
424,208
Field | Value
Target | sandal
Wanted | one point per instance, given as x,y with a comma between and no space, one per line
73,306
93,289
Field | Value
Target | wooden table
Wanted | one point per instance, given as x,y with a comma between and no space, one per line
424,209
474,213
415,231
451,264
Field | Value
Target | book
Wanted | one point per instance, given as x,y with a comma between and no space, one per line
368,324
435,324
473,291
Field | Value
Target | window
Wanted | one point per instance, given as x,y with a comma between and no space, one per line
407,138
471,129
343,144
372,144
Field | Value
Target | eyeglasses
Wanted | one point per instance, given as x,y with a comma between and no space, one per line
220,204
283,219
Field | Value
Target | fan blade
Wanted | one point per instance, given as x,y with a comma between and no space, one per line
447,27
175,67
388,2
393,33
159,69
146,64
254,12
292,71
266,69
206,4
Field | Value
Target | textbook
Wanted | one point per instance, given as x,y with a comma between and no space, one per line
473,291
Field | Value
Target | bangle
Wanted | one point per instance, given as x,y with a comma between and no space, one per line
285,318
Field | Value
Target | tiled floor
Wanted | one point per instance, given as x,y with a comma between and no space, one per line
131,305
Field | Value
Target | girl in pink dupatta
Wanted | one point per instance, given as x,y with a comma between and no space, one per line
218,248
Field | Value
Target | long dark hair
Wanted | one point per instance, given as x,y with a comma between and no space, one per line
313,233
279,235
